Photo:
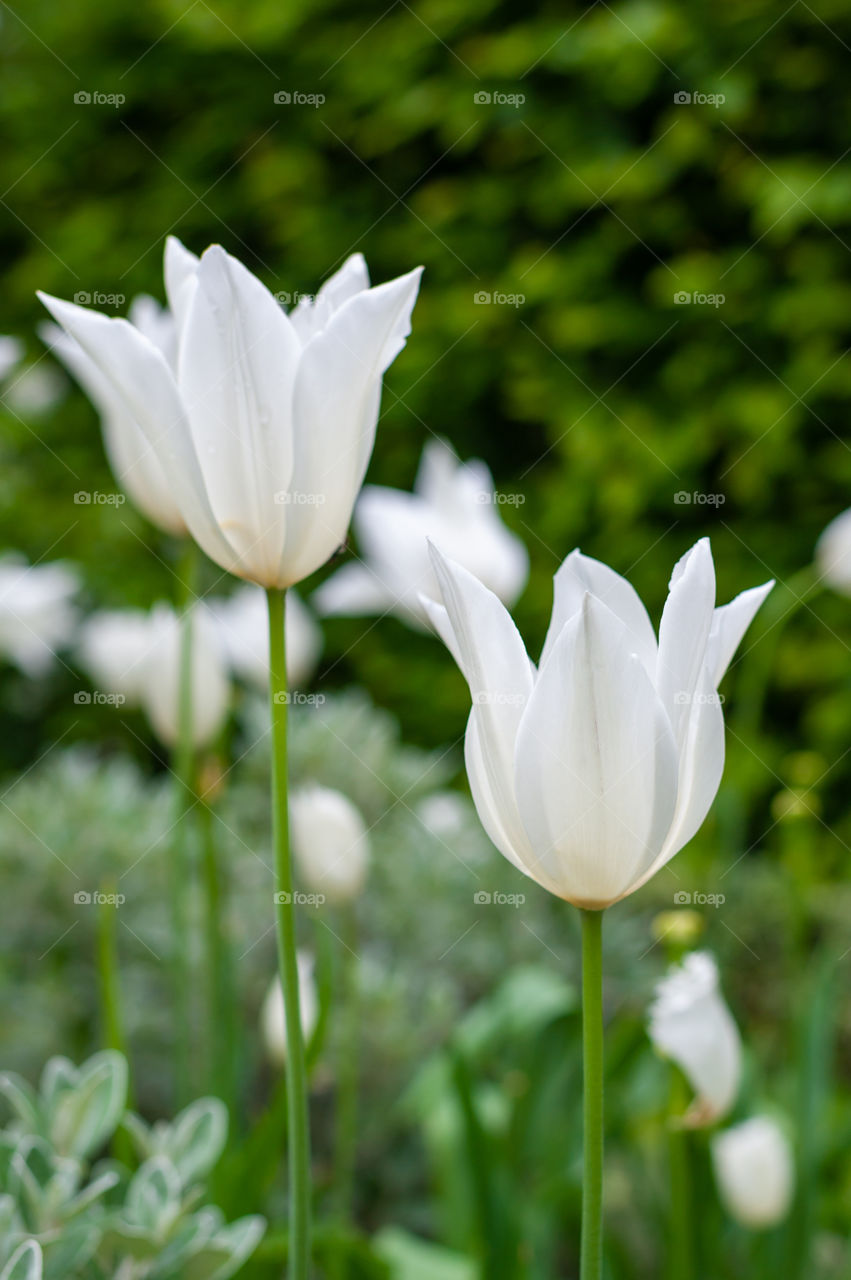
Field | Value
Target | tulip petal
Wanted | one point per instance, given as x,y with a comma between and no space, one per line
684,633
237,367
596,761
729,624
337,397
180,268
700,770
493,659
580,574
140,376
350,592
310,315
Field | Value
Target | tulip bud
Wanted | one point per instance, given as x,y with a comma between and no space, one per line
691,1024
272,1017
755,1172
161,681
330,843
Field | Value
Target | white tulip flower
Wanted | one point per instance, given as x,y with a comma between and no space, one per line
330,843
453,504
272,1020
690,1023
755,1172
135,465
244,627
592,771
833,553
138,656
37,612
265,427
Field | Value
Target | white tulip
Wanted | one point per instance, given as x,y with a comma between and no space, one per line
266,427
452,504
755,1172
37,613
833,553
592,771
244,626
690,1023
272,1019
138,655
330,843
135,465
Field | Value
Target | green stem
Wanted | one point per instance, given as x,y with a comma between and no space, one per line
680,1264
591,1267
221,1024
181,860
298,1129
110,997
345,1149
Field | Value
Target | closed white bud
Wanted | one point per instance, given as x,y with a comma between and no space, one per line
755,1172
272,1018
330,843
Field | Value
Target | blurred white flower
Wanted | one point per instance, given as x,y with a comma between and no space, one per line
690,1023
265,428
37,613
592,771
34,390
11,352
137,655
330,842
755,1172
453,504
272,1020
833,553
443,813
135,465
243,621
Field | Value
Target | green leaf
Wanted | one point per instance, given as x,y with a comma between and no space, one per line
410,1258
85,1112
23,1100
197,1138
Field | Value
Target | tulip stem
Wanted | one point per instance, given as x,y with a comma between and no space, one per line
298,1127
345,1152
184,778
110,997
680,1261
591,1267
221,1022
